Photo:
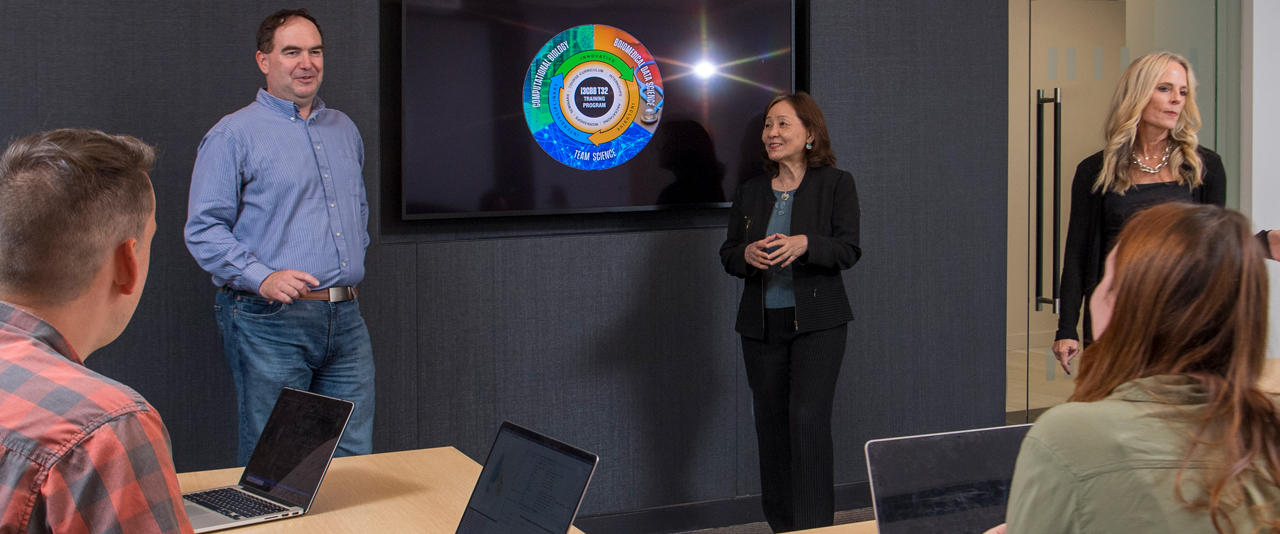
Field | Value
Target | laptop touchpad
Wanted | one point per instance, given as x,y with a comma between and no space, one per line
203,517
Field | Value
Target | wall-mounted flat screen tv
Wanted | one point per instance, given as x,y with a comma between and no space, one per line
516,107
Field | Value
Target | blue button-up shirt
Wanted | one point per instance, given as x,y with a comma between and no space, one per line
271,191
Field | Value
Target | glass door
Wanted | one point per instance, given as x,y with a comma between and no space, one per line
1066,58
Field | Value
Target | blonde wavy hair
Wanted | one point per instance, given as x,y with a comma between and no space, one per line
1130,99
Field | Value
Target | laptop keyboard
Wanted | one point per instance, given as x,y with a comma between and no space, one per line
233,503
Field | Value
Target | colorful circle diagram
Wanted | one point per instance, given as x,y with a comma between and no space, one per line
593,97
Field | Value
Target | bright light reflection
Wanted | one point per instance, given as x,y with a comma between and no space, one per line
704,69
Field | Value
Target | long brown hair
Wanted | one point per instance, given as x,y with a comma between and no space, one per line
810,116
1192,300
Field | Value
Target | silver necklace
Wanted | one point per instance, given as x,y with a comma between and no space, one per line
1168,147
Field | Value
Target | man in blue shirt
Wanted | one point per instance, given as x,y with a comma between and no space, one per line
278,215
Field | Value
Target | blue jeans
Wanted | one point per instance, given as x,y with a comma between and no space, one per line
317,346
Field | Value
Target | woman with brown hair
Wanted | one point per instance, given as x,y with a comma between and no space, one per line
790,234
1152,156
1167,430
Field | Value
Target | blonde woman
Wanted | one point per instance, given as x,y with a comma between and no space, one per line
1152,157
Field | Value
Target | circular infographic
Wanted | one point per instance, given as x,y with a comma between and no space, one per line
593,97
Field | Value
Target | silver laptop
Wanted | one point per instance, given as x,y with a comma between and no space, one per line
949,483
285,470
530,484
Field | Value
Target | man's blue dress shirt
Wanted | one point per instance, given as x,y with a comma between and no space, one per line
271,191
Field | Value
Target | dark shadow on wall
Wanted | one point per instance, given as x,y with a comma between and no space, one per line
686,149
751,150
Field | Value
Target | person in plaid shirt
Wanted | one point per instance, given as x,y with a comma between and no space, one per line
79,452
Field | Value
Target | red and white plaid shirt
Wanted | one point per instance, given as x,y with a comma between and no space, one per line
79,453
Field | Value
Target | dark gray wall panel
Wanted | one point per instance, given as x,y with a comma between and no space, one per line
19,102
389,302
913,93
620,344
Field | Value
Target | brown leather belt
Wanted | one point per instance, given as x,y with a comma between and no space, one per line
332,294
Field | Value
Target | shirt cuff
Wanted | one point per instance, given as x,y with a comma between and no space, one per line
254,275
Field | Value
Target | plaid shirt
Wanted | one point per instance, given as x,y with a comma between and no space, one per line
79,452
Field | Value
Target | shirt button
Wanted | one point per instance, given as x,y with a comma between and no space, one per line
292,119
339,234
317,147
326,176
344,264
331,205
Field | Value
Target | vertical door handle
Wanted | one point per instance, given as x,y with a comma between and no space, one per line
1056,100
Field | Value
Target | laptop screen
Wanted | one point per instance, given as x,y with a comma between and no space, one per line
957,482
296,445
530,484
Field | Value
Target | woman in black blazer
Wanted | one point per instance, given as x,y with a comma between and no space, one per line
1152,156
790,234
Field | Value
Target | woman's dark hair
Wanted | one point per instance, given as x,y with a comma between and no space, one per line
267,30
810,116
1191,299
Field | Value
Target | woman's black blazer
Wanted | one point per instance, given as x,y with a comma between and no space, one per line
826,210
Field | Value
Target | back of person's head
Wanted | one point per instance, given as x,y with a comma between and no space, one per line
1190,294
67,198
1191,298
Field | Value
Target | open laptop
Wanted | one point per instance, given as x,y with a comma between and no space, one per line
530,484
285,470
949,483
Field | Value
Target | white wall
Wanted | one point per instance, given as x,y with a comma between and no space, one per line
1260,132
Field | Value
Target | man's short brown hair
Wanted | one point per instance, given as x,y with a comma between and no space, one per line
67,197
267,30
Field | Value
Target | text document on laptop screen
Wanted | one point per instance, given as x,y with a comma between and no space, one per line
526,487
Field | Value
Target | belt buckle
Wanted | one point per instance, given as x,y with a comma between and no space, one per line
341,293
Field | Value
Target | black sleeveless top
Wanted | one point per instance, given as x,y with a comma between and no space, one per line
1118,209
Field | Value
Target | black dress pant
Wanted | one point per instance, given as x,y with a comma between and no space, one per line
793,384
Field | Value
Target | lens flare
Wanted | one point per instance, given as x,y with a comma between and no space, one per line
704,69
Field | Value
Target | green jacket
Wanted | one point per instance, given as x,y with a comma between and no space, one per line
1110,466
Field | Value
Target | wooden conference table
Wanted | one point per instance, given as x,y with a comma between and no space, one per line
423,491
409,491
865,527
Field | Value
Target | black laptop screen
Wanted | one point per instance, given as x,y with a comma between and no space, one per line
945,483
296,446
530,484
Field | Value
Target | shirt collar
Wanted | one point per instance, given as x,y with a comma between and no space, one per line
285,107
1165,389
22,322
